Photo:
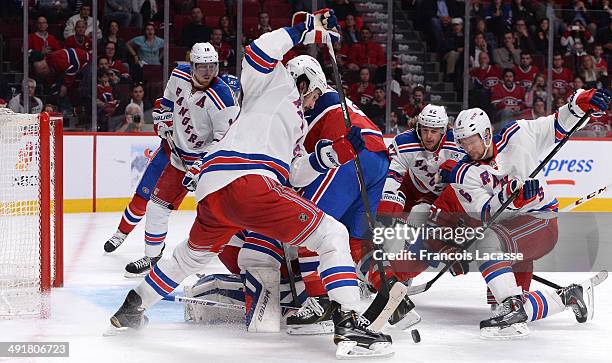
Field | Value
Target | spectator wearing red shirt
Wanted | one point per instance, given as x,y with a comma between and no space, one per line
561,77
362,92
507,98
263,26
525,72
367,53
41,40
225,51
487,75
79,40
415,107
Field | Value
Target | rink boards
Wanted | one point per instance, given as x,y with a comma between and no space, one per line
101,171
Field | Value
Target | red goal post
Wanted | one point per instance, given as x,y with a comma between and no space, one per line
31,211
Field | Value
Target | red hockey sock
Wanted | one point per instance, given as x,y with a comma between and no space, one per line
133,214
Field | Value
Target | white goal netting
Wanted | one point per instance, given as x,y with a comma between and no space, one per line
26,213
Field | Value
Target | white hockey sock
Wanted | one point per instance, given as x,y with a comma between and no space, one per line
337,270
542,303
166,275
500,279
156,228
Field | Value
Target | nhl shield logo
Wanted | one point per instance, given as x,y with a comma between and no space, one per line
303,217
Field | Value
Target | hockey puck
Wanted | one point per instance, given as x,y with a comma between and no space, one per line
416,337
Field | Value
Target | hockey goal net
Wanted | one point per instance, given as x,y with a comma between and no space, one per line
31,223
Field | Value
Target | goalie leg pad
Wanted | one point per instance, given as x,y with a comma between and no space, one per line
262,295
218,287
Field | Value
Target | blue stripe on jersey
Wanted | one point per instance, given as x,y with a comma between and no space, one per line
326,100
224,92
502,139
296,32
256,66
214,100
255,162
167,103
177,75
309,266
407,137
73,60
184,68
260,53
341,283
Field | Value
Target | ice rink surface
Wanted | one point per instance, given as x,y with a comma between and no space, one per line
451,310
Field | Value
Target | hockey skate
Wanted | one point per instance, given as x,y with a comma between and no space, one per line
355,339
580,299
404,315
129,316
509,321
114,242
141,267
314,317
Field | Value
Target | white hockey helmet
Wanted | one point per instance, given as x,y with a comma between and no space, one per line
308,66
204,53
433,116
473,121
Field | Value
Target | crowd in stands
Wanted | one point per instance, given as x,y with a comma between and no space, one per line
507,53
509,48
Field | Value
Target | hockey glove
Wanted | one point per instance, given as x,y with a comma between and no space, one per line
190,180
162,119
391,203
527,194
330,155
445,170
596,100
316,28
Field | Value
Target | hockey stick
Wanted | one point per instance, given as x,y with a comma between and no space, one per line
194,300
417,289
294,294
173,149
600,277
585,199
364,196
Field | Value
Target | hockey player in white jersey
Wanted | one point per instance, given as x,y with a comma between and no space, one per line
202,107
495,167
241,187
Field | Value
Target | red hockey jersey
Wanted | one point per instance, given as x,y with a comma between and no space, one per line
67,63
504,98
487,77
524,78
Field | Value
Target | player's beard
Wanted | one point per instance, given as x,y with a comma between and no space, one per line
197,85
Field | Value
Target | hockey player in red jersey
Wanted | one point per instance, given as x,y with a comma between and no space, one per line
497,166
242,188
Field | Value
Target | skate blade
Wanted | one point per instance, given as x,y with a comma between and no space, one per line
131,275
411,319
322,327
350,350
514,331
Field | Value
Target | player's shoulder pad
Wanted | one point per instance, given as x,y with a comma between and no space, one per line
220,94
503,137
408,141
460,170
182,71
327,100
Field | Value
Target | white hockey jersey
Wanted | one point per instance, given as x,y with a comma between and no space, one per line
270,129
199,116
410,159
518,150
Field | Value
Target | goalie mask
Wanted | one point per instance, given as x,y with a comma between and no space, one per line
204,63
